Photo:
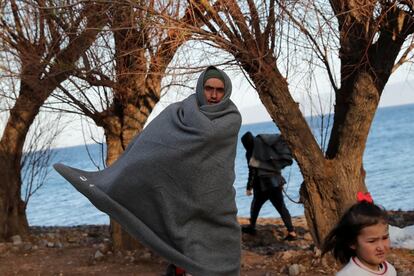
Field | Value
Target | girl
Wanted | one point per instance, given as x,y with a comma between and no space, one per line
361,240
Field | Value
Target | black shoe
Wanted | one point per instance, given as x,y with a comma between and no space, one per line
170,270
249,230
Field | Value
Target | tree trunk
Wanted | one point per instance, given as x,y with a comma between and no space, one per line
12,211
327,197
13,219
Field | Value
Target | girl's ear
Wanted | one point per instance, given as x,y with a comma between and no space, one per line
352,246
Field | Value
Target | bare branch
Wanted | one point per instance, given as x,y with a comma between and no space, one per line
322,54
405,56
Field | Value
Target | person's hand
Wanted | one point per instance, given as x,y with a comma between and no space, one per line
249,192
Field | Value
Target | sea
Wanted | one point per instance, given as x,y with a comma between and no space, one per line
388,161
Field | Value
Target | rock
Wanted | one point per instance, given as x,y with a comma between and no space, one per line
43,243
16,239
398,221
315,261
392,257
72,239
98,255
302,244
3,248
104,248
307,237
397,263
287,255
294,270
317,252
27,246
50,244
59,245
129,258
146,256
324,262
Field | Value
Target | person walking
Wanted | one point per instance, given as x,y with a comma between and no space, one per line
267,155
172,188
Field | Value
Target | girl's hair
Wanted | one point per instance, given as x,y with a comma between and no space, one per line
345,233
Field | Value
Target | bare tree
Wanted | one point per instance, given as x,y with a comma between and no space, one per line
370,39
38,153
119,80
46,41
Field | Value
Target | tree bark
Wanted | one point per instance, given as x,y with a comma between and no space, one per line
13,219
13,215
326,198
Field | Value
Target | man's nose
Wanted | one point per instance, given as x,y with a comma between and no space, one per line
214,93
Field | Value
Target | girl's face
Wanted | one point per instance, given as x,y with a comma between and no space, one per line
372,245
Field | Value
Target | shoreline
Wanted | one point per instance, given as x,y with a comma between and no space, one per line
400,218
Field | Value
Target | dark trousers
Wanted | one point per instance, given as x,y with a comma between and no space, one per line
275,196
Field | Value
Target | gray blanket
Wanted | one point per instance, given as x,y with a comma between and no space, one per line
172,188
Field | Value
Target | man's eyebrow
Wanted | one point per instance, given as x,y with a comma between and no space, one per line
207,85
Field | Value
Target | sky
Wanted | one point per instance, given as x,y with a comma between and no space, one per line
398,91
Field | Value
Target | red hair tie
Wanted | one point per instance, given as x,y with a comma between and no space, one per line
364,197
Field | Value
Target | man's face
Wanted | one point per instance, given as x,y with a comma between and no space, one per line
213,90
372,245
